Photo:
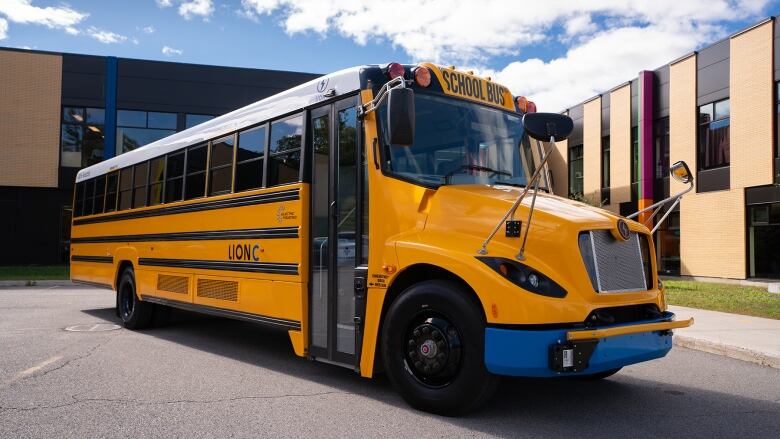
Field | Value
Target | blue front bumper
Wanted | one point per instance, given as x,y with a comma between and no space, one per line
527,352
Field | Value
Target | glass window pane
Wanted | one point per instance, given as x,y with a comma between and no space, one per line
249,175
161,120
89,194
155,194
286,134
96,116
125,199
111,191
92,146
706,113
714,145
722,109
128,118
219,180
284,168
140,174
73,114
346,229
100,188
222,151
128,139
139,197
173,190
195,119
126,180
156,170
196,185
71,139
175,165
251,144
79,199
196,159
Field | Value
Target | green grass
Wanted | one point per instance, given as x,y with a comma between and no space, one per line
751,301
35,272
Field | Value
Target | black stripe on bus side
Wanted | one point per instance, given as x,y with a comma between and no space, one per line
267,233
272,197
252,267
221,312
100,259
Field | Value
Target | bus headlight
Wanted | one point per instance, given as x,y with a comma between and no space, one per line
524,277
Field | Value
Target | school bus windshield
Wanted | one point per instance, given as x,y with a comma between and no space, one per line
459,142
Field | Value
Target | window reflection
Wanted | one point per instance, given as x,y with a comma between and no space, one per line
82,136
714,137
138,128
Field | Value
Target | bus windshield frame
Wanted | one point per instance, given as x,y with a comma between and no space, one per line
457,142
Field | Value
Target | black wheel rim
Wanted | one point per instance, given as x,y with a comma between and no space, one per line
433,350
126,302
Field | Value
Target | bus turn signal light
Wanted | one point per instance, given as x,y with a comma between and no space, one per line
531,107
422,76
395,70
522,104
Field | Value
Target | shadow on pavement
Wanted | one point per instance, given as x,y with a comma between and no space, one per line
621,406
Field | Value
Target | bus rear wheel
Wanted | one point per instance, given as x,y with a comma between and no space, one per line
134,313
433,349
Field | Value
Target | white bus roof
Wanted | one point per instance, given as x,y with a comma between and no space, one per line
308,93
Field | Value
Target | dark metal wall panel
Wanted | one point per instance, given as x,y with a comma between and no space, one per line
605,114
712,82
634,102
83,80
661,92
577,115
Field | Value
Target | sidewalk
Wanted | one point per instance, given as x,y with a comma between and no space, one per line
745,338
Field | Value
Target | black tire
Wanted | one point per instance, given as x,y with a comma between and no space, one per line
600,375
134,313
453,381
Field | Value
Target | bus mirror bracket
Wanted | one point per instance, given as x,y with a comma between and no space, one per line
680,172
400,111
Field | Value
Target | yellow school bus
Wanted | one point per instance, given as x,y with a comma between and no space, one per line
391,218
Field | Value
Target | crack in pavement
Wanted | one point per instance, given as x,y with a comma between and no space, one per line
176,401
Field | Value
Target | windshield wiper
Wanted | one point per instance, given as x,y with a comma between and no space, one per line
474,168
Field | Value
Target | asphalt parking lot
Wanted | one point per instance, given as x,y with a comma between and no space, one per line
209,377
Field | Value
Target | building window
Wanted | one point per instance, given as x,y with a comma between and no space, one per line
661,150
635,163
777,135
284,152
763,236
575,171
221,166
249,159
138,128
667,241
714,144
605,170
82,136
190,120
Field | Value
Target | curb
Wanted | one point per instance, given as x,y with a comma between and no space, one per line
726,350
35,283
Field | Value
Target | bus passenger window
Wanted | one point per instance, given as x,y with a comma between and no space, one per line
126,188
221,167
111,189
195,186
100,192
284,153
139,187
89,196
249,159
156,175
174,175
78,205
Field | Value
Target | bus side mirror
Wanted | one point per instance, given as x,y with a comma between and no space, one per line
681,173
542,126
400,117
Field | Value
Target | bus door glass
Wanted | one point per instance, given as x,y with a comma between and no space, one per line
337,247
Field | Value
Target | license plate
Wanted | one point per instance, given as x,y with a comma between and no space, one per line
568,358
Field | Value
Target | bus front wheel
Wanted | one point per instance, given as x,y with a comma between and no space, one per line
134,313
433,349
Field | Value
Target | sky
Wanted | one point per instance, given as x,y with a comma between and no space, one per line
556,52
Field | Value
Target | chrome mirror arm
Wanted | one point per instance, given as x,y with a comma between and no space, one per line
657,207
532,182
368,107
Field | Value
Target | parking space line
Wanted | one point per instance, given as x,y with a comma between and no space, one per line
39,366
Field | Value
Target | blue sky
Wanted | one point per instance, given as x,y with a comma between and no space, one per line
557,52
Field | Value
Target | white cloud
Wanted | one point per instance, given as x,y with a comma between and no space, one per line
192,8
104,36
148,29
164,3
72,30
170,51
23,12
3,29
609,41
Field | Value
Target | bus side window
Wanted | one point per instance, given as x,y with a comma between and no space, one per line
139,186
221,167
284,151
174,177
100,193
126,188
111,191
156,180
89,196
249,159
195,186
78,204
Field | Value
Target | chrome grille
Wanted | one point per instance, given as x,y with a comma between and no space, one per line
617,265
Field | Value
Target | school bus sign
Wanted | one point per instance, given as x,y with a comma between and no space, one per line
466,86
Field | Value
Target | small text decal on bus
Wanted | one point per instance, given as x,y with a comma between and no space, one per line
244,252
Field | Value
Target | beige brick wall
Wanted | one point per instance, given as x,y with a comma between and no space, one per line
620,146
591,145
558,164
712,224
30,91
751,89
